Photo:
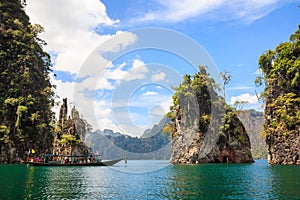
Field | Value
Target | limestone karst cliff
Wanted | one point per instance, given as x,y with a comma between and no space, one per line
70,133
253,123
26,95
203,128
281,78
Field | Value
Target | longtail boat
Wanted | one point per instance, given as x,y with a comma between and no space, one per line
63,160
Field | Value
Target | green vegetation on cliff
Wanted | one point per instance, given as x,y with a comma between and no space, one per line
203,89
281,77
195,90
203,128
70,133
26,95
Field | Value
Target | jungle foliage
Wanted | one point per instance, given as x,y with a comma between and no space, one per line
281,77
210,104
26,94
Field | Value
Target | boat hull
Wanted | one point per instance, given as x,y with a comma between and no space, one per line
101,163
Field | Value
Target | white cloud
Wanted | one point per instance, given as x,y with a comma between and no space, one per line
63,90
149,99
166,103
122,40
150,93
103,115
173,11
258,72
69,28
138,71
241,88
158,77
251,99
70,33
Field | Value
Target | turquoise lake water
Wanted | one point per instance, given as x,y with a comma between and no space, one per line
151,180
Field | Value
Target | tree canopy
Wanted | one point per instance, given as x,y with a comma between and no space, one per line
196,98
281,77
26,94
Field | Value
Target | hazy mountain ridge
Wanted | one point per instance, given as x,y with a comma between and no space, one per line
253,123
112,144
153,144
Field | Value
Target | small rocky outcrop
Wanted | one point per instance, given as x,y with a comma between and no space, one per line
68,139
190,146
204,129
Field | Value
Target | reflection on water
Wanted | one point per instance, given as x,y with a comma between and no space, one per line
216,181
235,181
285,181
12,181
208,181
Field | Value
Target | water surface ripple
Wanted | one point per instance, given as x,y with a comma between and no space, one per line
151,180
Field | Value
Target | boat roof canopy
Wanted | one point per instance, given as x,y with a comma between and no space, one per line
56,155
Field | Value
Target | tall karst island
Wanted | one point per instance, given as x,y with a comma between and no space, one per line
26,95
281,77
27,122
204,129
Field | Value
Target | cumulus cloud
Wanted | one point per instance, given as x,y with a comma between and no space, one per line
138,71
174,11
251,99
71,33
119,43
69,28
158,77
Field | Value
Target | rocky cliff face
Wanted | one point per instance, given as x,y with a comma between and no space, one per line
253,123
282,129
190,146
70,133
281,76
204,129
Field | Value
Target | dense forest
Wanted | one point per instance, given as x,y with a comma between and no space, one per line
281,78
26,95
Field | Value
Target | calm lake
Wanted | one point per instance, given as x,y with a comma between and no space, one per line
151,180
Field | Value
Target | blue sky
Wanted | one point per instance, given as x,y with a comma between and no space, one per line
103,67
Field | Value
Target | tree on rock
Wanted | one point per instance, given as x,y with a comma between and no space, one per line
281,76
26,95
203,128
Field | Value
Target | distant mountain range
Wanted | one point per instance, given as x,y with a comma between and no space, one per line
154,144
253,122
